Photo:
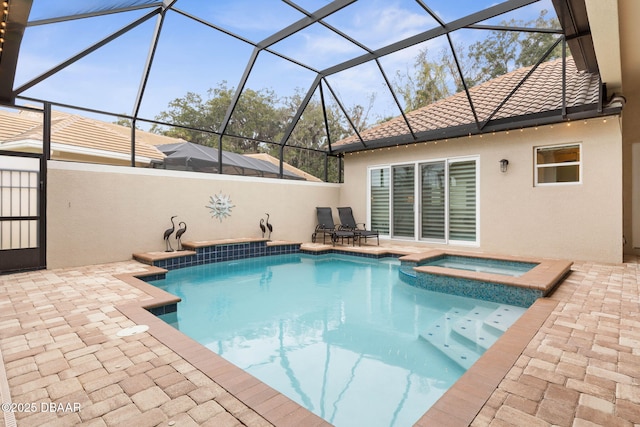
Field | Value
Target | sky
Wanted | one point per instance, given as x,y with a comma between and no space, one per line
192,57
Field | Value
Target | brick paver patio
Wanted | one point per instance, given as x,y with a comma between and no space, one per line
66,365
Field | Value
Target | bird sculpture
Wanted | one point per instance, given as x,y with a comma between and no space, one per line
167,233
179,233
269,226
262,227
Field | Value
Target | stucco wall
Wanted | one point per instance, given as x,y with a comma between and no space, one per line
629,32
578,221
99,213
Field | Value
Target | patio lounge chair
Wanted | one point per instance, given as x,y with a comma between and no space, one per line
327,227
348,222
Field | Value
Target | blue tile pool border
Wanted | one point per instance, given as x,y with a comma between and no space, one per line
477,289
222,252
164,309
520,290
352,253
217,252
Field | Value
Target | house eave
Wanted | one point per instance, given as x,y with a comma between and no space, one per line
519,122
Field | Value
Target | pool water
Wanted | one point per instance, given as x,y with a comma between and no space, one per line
484,265
340,335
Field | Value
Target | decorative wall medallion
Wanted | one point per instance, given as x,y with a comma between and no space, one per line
220,206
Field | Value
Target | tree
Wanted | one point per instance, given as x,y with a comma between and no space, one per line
505,51
533,46
495,55
427,84
500,52
309,138
466,67
189,111
261,116
255,117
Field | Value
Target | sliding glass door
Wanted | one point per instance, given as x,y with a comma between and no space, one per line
446,191
379,196
403,201
433,191
462,201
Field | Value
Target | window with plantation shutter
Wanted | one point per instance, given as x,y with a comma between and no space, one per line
379,193
403,201
433,200
462,200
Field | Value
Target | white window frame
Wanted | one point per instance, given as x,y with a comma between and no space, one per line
369,216
537,167
417,199
392,231
446,202
475,242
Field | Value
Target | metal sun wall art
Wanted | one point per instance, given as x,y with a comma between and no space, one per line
220,206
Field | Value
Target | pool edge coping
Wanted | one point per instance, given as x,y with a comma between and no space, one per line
543,277
474,387
233,379
462,402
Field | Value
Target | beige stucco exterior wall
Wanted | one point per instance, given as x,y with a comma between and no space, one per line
578,221
99,213
629,33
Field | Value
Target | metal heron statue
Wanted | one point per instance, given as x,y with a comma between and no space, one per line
269,226
167,233
262,227
179,233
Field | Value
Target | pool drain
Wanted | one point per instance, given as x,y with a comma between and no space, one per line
134,330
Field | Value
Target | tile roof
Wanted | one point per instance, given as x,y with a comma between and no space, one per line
12,124
269,158
72,130
143,136
86,133
541,92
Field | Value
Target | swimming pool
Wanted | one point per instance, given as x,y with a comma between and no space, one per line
341,335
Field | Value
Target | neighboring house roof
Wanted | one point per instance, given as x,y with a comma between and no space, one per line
205,159
143,136
98,141
12,124
540,93
70,133
286,166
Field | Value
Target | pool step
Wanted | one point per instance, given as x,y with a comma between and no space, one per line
439,335
464,336
473,327
503,317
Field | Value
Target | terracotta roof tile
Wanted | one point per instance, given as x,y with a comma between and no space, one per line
11,124
541,92
72,130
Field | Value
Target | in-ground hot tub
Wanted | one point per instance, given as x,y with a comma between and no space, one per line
503,279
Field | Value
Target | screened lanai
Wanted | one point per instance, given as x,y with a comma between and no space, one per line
296,79
459,114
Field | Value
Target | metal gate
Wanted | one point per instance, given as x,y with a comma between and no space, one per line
22,211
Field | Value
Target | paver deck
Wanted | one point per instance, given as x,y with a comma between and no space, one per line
65,364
